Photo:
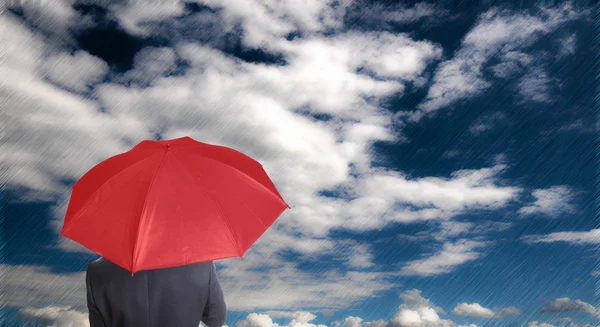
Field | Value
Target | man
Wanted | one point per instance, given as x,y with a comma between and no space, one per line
169,297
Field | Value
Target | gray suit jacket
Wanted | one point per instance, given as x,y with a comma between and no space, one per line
169,297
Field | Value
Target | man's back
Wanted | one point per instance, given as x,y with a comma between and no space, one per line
178,296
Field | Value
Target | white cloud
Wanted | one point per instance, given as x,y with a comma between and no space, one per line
510,311
565,304
473,310
52,17
451,229
391,196
513,62
444,261
585,237
37,111
486,122
413,299
576,125
551,202
362,256
416,311
384,16
299,316
136,16
477,311
283,286
567,45
149,65
536,86
566,319
537,324
74,71
55,316
28,286
265,320
264,23
497,31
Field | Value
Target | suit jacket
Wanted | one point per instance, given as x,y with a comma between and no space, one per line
168,297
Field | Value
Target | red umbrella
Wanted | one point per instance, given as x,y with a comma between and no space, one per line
170,203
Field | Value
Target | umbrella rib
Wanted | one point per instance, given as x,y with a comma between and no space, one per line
231,232
241,172
253,181
137,234
89,199
233,239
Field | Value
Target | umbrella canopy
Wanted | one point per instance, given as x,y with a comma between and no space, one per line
172,202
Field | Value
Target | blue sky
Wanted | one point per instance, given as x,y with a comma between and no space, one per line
438,157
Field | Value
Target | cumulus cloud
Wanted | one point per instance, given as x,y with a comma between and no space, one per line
427,198
55,316
512,62
566,304
265,320
51,17
567,45
74,72
477,311
486,122
551,201
383,16
80,134
416,311
452,229
299,316
584,237
28,285
538,324
136,17
362,256
576,125
473,310
447,259
536,86
496,32
149,64
264,23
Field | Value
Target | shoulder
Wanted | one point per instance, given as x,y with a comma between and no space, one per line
95,264
100,264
